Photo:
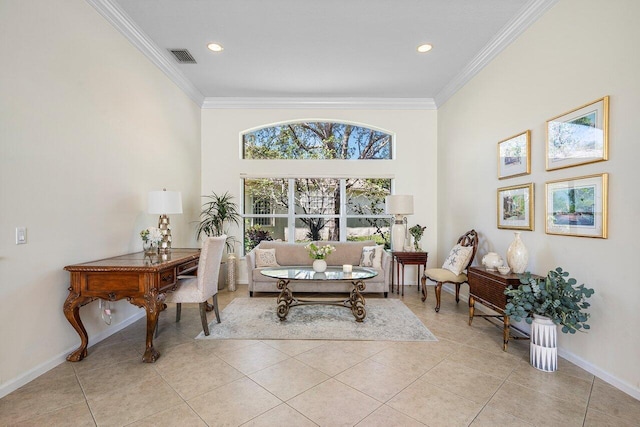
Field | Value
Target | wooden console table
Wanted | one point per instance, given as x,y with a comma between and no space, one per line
488,287
407,258
140,278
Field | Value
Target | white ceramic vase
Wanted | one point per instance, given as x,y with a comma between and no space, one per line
517,255
544,348
319,265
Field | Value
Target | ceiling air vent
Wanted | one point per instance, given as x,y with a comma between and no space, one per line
183,56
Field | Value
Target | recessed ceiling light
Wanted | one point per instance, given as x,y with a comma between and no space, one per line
424,48
215,47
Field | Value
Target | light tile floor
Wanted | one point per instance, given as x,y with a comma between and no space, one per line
464,379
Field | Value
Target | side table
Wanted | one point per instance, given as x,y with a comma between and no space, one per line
488,287
407,258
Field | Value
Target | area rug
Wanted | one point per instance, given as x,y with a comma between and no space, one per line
256,318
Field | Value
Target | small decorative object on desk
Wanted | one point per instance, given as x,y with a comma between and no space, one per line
517,255
417,231
319,253
504,270
150,236
548,302
491,261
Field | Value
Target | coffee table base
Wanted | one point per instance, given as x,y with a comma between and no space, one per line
355,302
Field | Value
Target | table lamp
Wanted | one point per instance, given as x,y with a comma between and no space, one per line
399,205
164,203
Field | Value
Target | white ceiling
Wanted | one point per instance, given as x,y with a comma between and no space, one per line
322,49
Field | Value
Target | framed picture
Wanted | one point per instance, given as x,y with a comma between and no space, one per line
580,136
515,207
577,206
513,156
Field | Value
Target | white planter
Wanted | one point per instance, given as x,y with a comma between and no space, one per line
544,346
517,255
319,265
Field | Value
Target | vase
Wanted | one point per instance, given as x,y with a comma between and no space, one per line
416,245
319,265
149,247
517,255
544,348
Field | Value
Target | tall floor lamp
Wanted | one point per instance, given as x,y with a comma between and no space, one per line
165,203
400,206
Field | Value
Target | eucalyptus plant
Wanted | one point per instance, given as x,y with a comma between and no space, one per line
553,296
216,214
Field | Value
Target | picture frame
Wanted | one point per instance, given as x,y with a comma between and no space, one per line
514,158
515,207
577,206
579,136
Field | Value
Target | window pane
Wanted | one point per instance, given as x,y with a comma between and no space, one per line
365,196
266,195
317,140
317,196
308,229
369,229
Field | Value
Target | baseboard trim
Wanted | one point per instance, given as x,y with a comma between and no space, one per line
14,384
576,360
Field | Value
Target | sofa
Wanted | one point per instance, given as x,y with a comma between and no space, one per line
295,254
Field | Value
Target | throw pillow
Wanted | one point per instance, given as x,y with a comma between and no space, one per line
266,258
458,259
371,257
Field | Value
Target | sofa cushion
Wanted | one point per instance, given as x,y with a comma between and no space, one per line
266,258
346,252
288,253
371,257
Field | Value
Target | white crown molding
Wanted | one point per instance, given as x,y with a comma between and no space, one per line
321,103
121,21
529,14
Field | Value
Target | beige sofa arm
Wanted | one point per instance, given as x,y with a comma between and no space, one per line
250,259
386,269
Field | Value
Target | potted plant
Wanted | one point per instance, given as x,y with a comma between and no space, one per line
546,302
217,213
417,231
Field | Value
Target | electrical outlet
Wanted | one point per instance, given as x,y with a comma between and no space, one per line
21,235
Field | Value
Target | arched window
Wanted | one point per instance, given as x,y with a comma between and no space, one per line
317,140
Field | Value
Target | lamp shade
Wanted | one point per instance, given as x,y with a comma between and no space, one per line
399,204
165,202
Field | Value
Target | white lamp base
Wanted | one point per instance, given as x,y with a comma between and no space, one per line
398,233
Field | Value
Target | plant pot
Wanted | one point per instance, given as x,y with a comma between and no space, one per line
544,344
319,265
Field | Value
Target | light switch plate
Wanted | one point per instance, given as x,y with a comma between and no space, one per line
21,235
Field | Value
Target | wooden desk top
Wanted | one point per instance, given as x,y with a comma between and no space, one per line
138,261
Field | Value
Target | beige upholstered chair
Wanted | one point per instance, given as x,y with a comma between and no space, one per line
198,289
443,275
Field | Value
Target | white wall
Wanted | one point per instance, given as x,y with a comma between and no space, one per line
414,168
577,52
88,126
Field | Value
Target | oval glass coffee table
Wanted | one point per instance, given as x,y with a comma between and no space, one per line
285,275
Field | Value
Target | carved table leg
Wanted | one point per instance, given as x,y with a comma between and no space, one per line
153,303
505,333
472,308
72,313
284,299
357,301
424,288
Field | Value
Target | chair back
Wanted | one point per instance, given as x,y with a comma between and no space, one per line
209,265
470,238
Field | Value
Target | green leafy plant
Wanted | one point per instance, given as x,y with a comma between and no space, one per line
553,296
254,235
219,211
417,231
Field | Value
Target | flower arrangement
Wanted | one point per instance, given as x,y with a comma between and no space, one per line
319,252
416,231
151,235
553,296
